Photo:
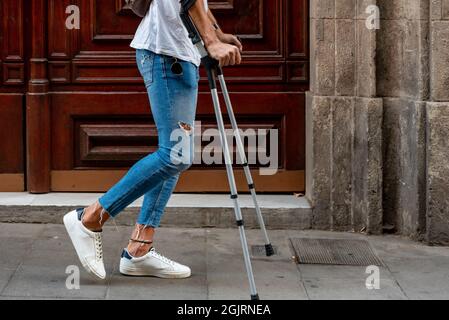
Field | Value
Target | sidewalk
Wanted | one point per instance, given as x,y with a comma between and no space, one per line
183,210
34,259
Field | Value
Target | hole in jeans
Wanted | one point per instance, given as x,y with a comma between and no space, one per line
186,127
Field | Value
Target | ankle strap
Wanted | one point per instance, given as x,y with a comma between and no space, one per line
141,241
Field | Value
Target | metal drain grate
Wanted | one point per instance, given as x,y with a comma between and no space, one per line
335,252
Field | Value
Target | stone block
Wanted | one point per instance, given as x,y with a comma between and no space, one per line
404,166
365,57
392,9
322,9
345,52
345,9
437,173
319,159
322,70
367,165
402,59
435,9
439,63
445,10
342,146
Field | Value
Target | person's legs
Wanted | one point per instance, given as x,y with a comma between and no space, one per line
154,203
173,100
173,103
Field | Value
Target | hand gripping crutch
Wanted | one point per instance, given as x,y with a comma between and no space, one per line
213,71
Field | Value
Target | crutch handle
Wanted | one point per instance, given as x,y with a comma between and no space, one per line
210,63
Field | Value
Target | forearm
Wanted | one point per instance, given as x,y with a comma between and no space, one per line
222,51
212,18
214,23
223,37
202,21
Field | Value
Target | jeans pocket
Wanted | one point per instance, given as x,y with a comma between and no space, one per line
145,63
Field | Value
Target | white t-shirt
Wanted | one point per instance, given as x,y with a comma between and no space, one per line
163,32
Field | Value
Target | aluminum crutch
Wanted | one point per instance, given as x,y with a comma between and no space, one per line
244,161
213,71
211,67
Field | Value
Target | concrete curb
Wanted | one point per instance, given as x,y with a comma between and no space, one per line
181,217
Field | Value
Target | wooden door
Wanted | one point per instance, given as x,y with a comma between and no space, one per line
86,89
12,89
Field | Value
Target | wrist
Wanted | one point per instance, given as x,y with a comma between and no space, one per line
216,27
219,33
210,39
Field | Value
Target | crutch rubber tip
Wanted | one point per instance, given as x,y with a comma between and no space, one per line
269,250
255,297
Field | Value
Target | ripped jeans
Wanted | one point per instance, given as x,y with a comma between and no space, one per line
173,94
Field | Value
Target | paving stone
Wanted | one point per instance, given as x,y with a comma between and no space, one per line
422,279
13,251
42,272
147,288
50,282
276,278
421,272
351,289
20,230
339,272
5,276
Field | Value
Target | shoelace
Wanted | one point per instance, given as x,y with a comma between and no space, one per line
98,247
165,259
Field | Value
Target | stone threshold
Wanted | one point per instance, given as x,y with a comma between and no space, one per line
183,210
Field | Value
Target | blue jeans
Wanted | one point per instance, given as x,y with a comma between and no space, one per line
173,98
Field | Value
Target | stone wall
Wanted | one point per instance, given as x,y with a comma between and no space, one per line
378,118
344,119
403,80
413,76
437,125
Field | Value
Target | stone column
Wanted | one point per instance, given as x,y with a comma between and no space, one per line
344,119
413,78
403,81
437,125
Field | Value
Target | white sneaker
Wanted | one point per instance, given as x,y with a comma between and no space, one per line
88,244
152,264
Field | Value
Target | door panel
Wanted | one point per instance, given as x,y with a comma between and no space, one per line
12,88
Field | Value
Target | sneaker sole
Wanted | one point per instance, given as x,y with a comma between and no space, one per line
138,273
84,263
